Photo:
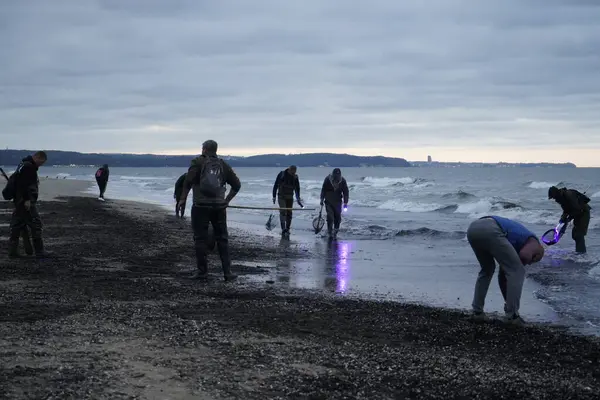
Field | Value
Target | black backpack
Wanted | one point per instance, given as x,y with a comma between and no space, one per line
211,179
583,199
10,190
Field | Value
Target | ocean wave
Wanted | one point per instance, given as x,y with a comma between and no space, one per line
542,185
460,195
428,232
147,178
483,206
597,194
409,206
386,182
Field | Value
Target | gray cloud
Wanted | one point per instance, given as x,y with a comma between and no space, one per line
152,75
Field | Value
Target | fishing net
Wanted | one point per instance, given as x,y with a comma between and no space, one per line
318,222
552,236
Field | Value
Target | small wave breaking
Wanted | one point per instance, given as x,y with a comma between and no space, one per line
428,232
387,182
542,185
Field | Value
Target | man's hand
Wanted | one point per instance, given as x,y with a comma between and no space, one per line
345,208
299,202
181,204
273,200
322,201
27,204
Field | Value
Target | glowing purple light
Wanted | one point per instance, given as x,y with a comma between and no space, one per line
341,267
345,209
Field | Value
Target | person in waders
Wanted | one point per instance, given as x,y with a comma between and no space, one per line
575,208
25,214
334,195
207,177
286,184
102,180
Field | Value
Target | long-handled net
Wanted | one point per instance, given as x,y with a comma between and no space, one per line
552,236
318,222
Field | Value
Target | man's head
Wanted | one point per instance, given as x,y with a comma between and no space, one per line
209,148
553,192
39,158
292,169
532,252
336,174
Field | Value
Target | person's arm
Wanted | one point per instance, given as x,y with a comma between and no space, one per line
178,186
345,191
297,189
233,181
276,185
188,182
323,191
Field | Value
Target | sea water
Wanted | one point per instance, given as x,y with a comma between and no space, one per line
404,235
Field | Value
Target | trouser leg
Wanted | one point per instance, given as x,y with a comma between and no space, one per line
580,228
478,236
221,234
200,221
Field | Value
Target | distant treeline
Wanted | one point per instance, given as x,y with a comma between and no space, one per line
56,157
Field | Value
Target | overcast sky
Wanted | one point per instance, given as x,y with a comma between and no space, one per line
480,80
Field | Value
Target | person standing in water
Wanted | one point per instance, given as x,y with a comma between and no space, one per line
286,183
334,195
576,208
102,180
513,246
179,204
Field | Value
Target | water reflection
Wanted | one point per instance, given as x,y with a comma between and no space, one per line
337,266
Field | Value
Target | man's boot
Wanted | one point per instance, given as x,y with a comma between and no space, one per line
580,246
226,262
201,273
38,245
335,232
27,242
13,248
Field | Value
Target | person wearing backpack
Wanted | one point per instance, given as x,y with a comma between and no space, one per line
285,185
207,176
24,194
102,180
576,208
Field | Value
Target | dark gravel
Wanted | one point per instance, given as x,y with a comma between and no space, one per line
115,316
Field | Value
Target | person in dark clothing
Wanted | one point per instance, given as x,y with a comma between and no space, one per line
25,214
286,184
179,207
25,232
576,208
208,175
102,179
334,195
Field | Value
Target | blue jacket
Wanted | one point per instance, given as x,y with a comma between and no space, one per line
516,233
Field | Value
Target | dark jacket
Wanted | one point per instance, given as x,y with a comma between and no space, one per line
179,186
27,182
286,184
102,174
570,204
193,179
334,194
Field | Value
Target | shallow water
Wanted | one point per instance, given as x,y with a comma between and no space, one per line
404,233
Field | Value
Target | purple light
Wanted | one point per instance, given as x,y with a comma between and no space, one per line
341,268
345,209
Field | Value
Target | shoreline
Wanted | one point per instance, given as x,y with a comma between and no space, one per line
115,316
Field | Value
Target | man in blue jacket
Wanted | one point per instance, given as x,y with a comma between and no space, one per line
492,239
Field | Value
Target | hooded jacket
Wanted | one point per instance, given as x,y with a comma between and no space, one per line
334,192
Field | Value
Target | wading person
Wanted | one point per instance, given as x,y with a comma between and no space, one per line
25,214
179,201
576,208
207,176
102,180
513,246
286,184
334,195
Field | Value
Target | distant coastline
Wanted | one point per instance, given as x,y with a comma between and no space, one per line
326,160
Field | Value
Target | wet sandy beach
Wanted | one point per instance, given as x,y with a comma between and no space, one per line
114,316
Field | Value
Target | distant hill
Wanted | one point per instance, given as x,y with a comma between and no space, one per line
63,158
